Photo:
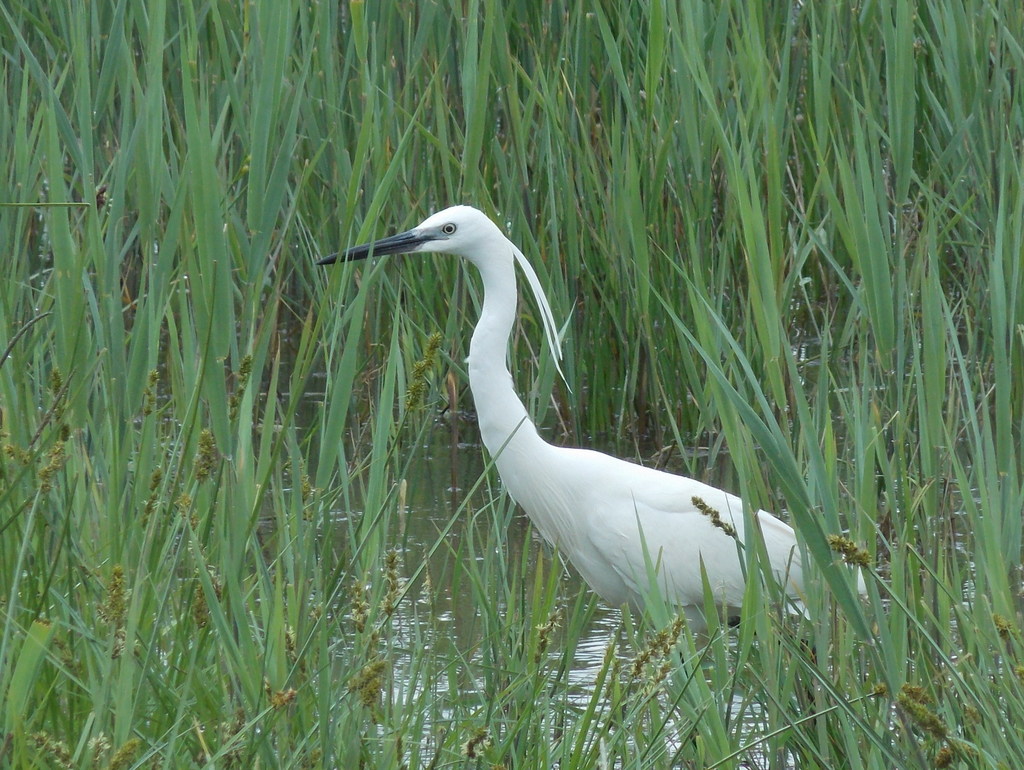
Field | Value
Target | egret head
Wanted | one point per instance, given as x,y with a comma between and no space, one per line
459,230
468,233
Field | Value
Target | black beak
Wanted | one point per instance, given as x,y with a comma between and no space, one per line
395,244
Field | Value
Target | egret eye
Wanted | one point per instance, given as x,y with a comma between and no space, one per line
449,229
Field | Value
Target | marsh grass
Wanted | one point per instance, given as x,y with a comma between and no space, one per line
788,237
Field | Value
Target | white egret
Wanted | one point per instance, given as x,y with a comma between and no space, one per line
616,521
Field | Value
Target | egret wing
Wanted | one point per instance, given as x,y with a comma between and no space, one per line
640,521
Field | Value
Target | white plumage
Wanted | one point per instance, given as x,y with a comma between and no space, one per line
614,520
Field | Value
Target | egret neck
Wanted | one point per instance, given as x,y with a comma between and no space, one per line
504,423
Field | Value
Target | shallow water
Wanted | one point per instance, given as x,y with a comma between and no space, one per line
437,482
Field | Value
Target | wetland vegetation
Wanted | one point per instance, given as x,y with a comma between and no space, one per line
237,523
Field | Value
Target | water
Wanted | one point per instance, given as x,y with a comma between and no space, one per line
439,486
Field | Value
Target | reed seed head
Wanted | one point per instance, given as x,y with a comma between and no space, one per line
418,385
714,515
545,630
1004,627
915,702
125,756
281,698
207,456
851,553
114,607
394,581
56,459
55,750
477,744
368,684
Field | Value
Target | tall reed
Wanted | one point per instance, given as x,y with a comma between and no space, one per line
786,245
